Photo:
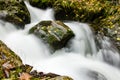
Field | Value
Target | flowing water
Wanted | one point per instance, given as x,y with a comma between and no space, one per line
79,60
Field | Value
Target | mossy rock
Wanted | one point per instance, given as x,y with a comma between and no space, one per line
48,76
14,11
43,4
55,33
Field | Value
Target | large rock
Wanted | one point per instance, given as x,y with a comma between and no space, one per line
56,33
14,11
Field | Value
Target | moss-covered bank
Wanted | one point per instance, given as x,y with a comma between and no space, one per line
8,60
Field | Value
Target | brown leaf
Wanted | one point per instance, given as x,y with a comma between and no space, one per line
25,76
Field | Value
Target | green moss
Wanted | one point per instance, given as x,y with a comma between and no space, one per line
32,30
55,33
42,3
14,11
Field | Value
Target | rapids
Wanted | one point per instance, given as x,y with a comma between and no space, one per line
80,59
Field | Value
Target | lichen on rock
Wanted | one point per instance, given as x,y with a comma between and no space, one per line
55,33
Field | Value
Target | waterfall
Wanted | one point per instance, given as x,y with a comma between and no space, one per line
79,59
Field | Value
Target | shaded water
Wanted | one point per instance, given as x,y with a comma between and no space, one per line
80,59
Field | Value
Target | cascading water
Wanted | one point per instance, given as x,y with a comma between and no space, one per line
80,59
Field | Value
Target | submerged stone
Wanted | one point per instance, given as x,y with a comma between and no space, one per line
93,75
14,11
55,33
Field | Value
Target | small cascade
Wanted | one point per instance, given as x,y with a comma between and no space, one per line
80,59
108,52
6,28
83,37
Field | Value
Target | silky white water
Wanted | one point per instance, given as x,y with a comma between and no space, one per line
79,60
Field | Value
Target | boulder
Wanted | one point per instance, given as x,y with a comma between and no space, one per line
14,11
55,33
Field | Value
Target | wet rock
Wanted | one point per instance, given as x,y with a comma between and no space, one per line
55,33
43,4
48,76
108,50
59,78
42,75
14,11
